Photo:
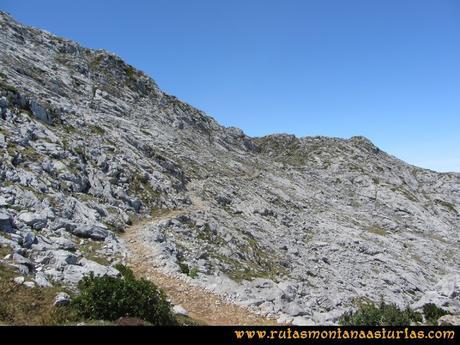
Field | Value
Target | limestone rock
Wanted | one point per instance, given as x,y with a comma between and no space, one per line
61,299
6,222
94,232
35,220
19,280
179,310
449,320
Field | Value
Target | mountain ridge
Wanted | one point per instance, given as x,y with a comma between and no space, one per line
130,69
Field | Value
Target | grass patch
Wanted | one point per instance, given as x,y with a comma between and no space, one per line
205,234
140,186
102,301
378,230
185,269
183,320
8,87
84,197
95,129
30,154
20,305
90,250
258,265
406,193
69,129
4,251
447,205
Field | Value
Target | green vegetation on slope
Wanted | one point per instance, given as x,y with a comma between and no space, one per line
369,314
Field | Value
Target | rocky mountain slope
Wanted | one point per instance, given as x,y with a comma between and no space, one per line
297,228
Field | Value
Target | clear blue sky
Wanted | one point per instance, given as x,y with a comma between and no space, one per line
388,69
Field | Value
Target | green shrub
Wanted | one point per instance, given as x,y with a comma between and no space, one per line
184,268
193,273
433,313
109,298
369,314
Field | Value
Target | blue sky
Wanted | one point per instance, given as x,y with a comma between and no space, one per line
385,69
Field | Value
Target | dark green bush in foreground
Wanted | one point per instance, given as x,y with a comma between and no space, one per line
433,313
109,298
383,314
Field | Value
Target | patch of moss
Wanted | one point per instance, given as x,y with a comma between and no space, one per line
205,234
30,154
447,205
378,230
184,267
406,193
140,186
95,129
86,197
130,71
8,87
259,264
69,129
95,61
90,251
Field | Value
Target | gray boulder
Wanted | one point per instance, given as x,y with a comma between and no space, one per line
65,244
29,240
29,284
60,258
21,260
3,103
179,310
61,299
40,112
94,232
35,220
41,280
19,280
6,222
72,274
449,320
293,309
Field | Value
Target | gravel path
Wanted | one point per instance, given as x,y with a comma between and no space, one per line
203,306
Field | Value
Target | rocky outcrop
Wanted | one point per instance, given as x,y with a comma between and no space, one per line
296,228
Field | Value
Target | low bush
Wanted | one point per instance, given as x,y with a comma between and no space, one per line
433,313
109,298
369,314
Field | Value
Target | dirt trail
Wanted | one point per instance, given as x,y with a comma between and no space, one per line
203,306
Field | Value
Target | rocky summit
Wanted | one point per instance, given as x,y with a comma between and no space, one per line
298,229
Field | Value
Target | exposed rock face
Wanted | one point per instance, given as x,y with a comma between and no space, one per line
293,227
